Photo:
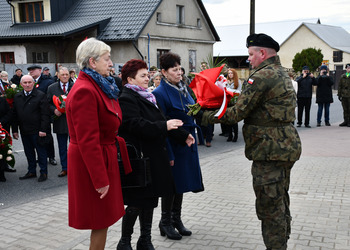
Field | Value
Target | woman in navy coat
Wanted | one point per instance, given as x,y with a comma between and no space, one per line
173,98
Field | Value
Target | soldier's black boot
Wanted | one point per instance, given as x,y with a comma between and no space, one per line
176,216
144,242
128,223
235,131
344,123
165,225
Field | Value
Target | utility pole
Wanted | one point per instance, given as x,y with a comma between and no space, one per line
252,17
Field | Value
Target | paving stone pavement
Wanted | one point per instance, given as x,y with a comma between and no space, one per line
223,216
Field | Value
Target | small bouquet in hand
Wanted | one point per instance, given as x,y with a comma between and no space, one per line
6,152
210,91
10,92
60,103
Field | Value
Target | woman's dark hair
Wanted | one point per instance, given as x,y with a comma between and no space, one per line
169,60
130,69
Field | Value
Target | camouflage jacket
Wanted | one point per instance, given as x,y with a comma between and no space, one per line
267,105
344,86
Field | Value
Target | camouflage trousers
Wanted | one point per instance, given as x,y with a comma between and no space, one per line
271,184
346,108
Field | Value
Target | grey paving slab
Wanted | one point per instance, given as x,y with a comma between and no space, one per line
223,216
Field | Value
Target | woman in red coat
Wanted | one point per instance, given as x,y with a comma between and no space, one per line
93,116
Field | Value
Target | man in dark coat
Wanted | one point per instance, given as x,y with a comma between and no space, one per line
31,114
16,79
42,83
304,95
60,127
324,95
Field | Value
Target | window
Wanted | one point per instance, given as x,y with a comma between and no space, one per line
40,57
180,14
199,24
159,53
159,17
337,56
31,12
7,57
192,60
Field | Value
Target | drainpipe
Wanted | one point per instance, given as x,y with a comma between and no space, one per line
149,39
138,51
13,9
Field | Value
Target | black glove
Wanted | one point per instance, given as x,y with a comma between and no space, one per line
339,97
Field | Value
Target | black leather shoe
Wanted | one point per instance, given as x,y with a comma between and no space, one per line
11,170
63,173
28,176
52,161
307,126
299,125
319,124
42,177
328,124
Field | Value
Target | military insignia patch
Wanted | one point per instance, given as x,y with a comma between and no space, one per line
250,81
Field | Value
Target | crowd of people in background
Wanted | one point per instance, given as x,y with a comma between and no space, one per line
149,109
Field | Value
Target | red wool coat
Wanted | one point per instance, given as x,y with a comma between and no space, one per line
93,121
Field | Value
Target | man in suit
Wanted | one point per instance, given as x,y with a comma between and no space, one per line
60,127
31,114
42,83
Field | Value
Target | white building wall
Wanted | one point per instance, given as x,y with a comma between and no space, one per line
303,38
19,51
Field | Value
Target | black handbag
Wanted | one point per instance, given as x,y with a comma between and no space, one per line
141,169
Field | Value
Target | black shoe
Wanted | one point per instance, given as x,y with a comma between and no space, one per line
28,176
343,124
328,124
299,125
229,138
235,139
42,177
11,170
52,161
319,124
307,126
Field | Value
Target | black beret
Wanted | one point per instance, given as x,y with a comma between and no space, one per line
348,65
34,66
262,40
306,68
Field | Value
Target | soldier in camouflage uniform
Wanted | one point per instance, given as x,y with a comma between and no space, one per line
267,105
344,95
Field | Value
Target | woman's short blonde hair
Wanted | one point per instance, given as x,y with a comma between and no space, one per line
4,73
90,48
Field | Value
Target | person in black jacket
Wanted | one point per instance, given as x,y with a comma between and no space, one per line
60,127
42,83
304,95
16,79
324,95
5,120
145,127
31,114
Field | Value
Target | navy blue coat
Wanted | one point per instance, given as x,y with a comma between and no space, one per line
186,171
44,82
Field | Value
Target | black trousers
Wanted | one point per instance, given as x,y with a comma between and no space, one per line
304,103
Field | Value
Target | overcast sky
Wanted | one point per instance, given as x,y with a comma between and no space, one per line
232,12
